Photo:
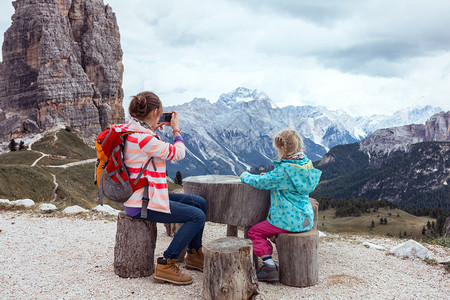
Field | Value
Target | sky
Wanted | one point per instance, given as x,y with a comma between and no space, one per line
363,57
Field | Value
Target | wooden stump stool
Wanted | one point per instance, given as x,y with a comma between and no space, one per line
228,271
135,247
298,258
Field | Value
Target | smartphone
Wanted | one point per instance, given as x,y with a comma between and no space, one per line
165,118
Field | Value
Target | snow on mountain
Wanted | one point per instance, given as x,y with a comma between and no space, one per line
407,116
235,132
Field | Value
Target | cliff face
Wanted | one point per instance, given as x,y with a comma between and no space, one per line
384,141
437,128
62,64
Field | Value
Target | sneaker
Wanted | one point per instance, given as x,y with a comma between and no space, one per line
194,259
168,270
268,273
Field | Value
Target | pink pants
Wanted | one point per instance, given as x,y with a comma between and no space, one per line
259,235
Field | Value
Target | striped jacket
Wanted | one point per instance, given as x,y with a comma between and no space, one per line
142,144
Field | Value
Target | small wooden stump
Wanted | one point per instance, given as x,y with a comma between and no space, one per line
172,228
298,258
135,247
228,271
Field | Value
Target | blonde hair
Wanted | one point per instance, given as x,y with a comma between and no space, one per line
290,140
142,104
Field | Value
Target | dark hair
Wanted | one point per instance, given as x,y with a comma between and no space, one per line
142,104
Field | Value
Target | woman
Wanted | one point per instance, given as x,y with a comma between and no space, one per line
145,110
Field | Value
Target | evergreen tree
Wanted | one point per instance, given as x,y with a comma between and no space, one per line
373,224
440,223
21,145
423,230
404,234
381,221
385,221
178,178
428,225
12,145
433,224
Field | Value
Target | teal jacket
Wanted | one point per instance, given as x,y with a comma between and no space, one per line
290,184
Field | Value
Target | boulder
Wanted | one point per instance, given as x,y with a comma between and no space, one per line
74,209
47,207
373,246
106,210
411,249
23,202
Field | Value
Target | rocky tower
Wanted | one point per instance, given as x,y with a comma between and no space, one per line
62,64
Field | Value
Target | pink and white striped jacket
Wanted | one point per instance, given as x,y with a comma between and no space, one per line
142,144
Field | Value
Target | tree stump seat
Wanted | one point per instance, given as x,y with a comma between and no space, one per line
298,258
134,250
228,270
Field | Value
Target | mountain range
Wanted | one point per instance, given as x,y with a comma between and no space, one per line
235,133
408,165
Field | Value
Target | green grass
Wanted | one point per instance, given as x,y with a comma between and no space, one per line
18,182
362,225
67,144
76,186
22,157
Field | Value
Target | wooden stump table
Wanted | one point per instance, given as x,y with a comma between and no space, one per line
229,200
135,247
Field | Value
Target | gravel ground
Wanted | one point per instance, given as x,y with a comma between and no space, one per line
56,257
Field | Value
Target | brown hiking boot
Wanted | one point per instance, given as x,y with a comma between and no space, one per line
167,270
194,259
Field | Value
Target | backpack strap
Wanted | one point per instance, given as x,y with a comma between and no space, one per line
100,186
109,133
145,200
143,168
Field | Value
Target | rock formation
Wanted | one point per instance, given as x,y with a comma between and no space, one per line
62,64
384,141
437,128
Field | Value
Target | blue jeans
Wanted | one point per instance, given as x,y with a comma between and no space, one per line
187,209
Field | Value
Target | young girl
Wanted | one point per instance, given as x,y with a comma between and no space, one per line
290,183
163,207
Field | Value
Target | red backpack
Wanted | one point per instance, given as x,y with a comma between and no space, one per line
111,175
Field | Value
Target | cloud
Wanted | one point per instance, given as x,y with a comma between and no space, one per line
361,56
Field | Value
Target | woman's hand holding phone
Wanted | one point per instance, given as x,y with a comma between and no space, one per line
169,119
174,123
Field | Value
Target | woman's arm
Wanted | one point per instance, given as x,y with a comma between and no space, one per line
154,147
